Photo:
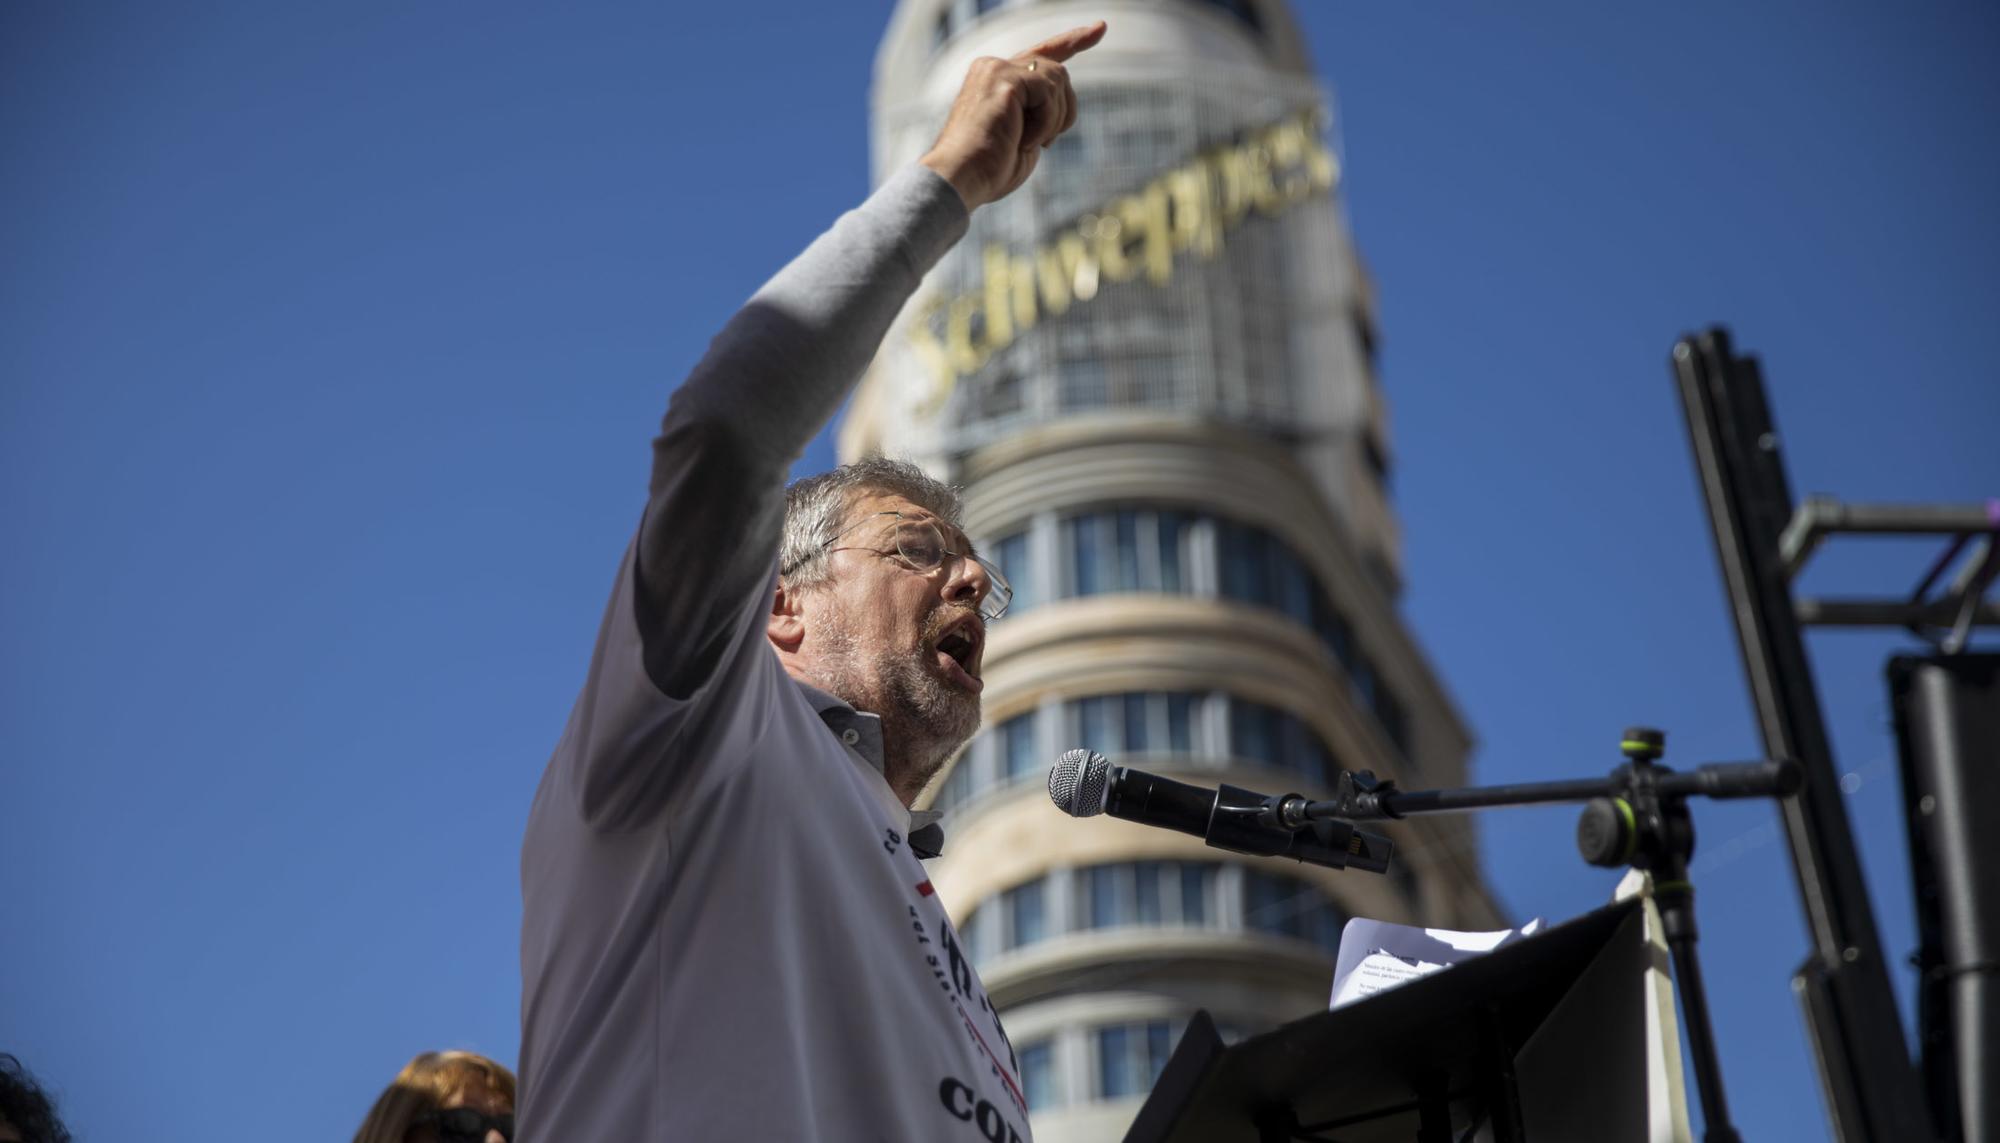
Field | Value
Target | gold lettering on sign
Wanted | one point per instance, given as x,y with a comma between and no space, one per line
1188,209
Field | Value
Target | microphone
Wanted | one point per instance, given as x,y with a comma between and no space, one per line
1084,783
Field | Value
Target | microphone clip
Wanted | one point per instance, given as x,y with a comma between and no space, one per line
1358,795
1245,821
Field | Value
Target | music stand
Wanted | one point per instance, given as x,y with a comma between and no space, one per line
1428,1060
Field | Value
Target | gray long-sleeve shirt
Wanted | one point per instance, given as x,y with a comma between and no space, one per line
725,932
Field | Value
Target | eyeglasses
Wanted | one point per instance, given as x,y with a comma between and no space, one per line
464,1125
921,545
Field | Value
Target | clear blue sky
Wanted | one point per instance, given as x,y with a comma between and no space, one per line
333,338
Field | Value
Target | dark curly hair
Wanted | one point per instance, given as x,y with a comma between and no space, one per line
25,1107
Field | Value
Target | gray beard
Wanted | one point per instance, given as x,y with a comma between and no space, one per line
924,718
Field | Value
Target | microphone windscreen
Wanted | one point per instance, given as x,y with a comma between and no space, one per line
1077,782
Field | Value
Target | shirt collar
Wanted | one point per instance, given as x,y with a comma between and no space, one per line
861,732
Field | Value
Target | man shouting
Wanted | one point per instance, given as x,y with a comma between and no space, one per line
728,933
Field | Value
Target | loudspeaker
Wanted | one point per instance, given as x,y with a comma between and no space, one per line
1947,712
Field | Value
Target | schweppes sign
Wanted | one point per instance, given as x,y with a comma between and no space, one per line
1189,209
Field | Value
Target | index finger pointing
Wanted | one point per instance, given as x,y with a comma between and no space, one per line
1062,47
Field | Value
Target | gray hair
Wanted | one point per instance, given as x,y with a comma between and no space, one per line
816,509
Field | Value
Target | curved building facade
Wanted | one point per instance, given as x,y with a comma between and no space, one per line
1151,369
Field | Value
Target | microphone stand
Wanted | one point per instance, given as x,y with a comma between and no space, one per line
1638,816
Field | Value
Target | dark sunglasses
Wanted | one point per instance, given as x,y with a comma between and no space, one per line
464,1125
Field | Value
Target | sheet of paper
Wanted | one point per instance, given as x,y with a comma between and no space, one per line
1376,955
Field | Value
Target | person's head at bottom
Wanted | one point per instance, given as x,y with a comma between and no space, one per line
444,1097
882,603
27,1115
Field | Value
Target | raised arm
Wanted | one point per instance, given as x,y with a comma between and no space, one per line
779,370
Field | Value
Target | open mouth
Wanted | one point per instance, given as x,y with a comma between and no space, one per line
958,653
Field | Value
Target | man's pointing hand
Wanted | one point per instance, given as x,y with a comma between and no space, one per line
1005,114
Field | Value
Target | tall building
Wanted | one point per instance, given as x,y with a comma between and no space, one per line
1152,370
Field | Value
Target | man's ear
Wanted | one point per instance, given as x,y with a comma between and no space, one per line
786,628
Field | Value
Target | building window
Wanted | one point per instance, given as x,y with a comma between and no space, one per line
1369,339
1241,10
1377,458
1259,568
1279,739
1147,549
1027,914
1038,1075
1154,893
1130,1056
1253,732
999,392
1146,882
1197,893
1290,907
1018,755
1336,636
1082,385
1180,723
1131,549
1170,533
1086,555
1145,722
1153,550
1102,898
1156,723
1011,553
1125,546
1395,722
1093,723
